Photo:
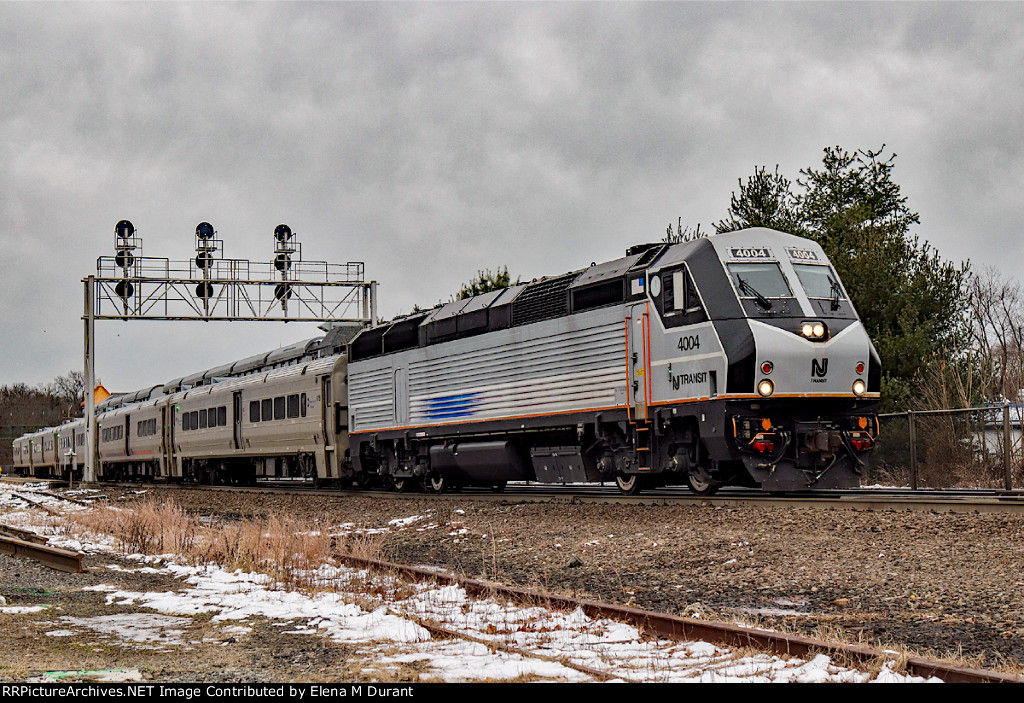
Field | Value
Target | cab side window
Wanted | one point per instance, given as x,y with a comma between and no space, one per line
677,301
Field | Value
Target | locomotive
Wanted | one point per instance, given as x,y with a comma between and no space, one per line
735,359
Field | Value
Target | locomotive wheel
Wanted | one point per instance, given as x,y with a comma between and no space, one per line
628,484
400,485
701,485
437,484
498,487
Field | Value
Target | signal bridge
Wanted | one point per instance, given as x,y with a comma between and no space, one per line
131,286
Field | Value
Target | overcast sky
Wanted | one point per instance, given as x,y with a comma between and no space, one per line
431,140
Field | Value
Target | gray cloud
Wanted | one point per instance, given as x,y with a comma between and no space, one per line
433,140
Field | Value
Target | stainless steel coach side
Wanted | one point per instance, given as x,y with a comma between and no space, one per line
23,454
130,443
272,424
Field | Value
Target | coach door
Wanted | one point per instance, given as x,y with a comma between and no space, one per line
236,418
167,415
165,464
326,404
638,359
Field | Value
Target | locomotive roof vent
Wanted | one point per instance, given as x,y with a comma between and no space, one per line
641,248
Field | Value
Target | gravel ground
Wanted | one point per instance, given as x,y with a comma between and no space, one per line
937,584
38,642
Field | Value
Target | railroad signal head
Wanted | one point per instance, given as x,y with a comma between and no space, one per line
282,233
204,290
204,260
124,229
204,230
124,258
282,262
124,289
282,291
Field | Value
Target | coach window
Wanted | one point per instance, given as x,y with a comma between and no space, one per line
195,419
202,420
267,409
279,408
254,411
185,426
293,406
302,405
222,416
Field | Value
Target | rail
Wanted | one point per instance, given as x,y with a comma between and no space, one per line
681,628
53,557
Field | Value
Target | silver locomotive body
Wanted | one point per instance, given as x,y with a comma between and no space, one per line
735,359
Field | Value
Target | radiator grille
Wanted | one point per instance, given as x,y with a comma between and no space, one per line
543,300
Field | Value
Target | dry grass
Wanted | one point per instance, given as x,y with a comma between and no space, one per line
288,550
151,528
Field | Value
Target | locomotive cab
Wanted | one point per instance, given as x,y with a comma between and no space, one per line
802,379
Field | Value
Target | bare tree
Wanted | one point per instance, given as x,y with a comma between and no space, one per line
996,307
69,391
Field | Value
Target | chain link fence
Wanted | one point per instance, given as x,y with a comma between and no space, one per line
963,448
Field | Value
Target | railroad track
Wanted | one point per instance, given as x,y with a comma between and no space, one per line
688,629
953,501
607,492
23,543
53,557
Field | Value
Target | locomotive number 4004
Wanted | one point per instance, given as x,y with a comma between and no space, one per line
689,342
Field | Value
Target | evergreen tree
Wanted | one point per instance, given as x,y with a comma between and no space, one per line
487,281
908,297
682,234
765,200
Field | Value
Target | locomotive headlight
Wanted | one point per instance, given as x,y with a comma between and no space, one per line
765,388
859,387
811,329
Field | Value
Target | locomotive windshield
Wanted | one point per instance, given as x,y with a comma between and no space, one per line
819,281
761,280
